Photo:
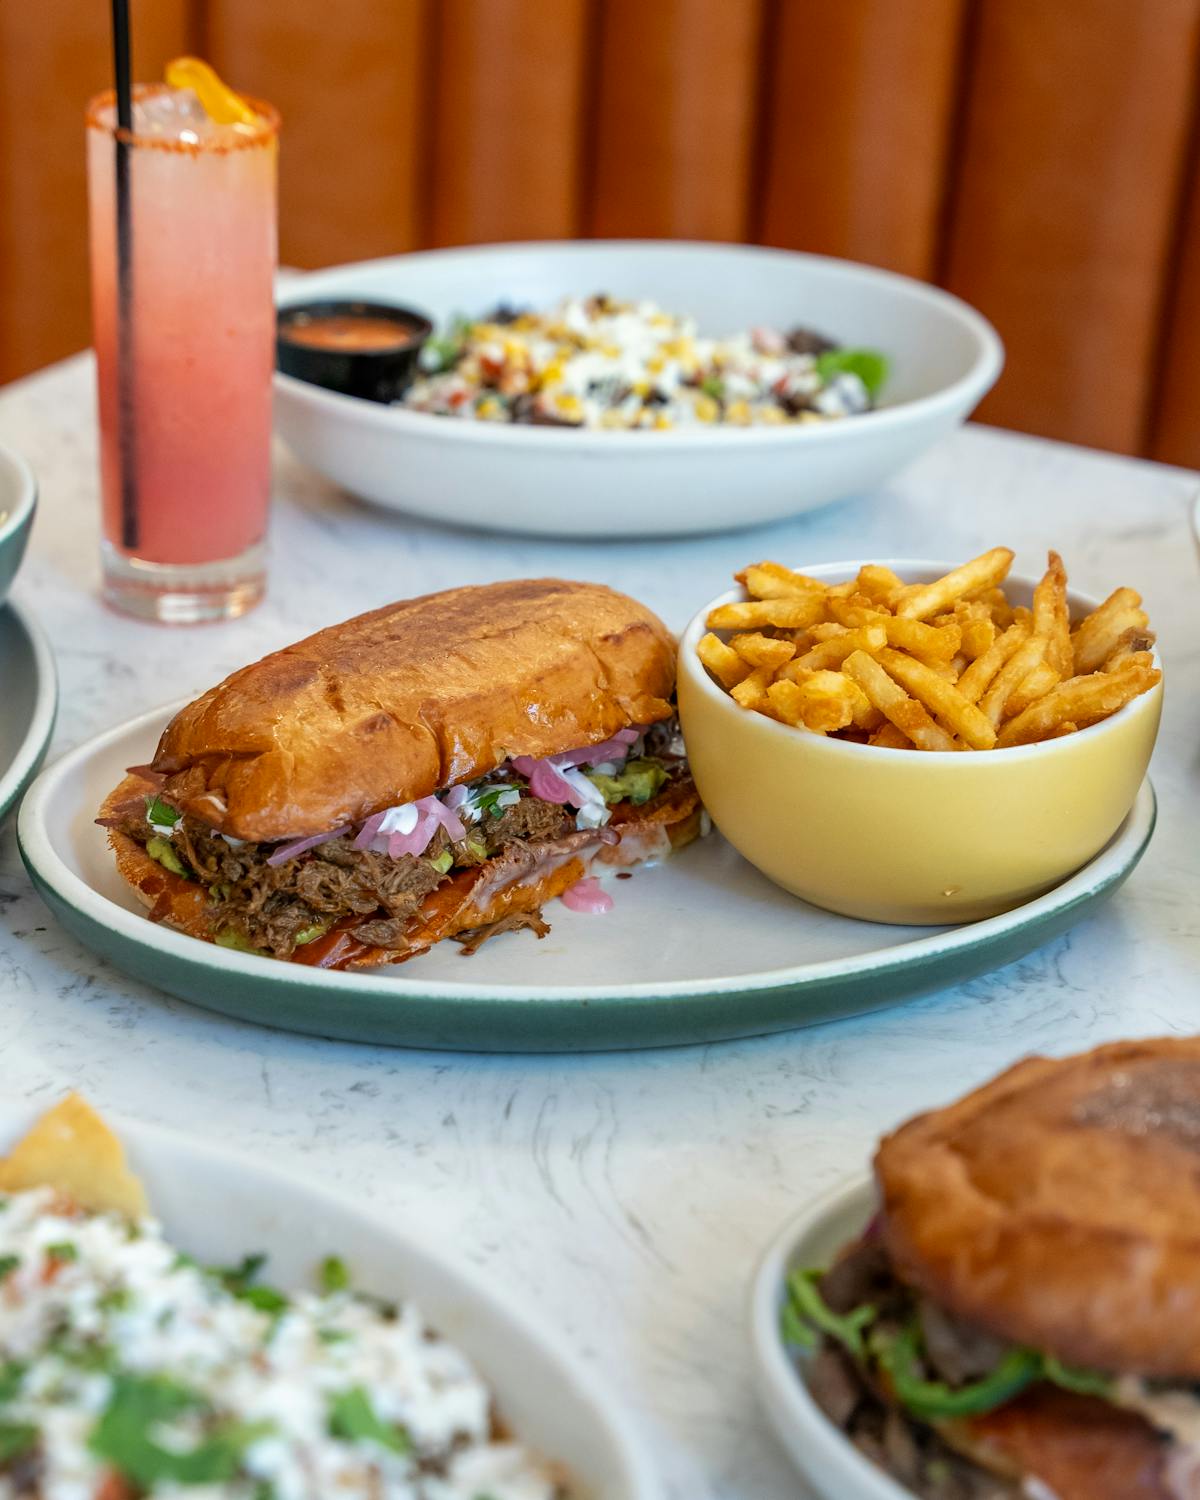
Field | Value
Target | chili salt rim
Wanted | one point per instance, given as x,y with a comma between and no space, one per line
263,134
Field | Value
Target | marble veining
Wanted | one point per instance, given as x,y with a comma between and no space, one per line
626,1197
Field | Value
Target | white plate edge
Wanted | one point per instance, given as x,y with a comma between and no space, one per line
45,707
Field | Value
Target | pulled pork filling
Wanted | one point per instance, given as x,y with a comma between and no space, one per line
903,1378
274,898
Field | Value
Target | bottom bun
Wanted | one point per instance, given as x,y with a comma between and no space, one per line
468,901
1076,1447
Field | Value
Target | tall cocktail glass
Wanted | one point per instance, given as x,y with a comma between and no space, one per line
185,421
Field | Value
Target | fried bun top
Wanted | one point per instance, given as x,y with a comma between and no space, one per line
1059,1206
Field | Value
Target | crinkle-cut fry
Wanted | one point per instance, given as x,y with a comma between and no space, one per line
893,702
751,692
1051,616
1039,682
762,650
982,572
1132,643
835,650
1081,701
890,738
956,714
1097,634
790,614
878,583
978,677
771,580
721,660
1029,654
822,702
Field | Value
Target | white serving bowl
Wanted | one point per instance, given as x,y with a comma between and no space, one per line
821,1452
218,1205
568,482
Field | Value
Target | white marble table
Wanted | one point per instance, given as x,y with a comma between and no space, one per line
626,1196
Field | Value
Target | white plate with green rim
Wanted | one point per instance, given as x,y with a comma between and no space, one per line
702,948
218,1205
29,693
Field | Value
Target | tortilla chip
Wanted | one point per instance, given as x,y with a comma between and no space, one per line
71,1149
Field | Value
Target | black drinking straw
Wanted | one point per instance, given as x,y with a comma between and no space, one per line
125,408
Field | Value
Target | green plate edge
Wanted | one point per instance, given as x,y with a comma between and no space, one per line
10,801
538,1025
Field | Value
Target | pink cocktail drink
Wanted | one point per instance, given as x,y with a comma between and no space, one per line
185,468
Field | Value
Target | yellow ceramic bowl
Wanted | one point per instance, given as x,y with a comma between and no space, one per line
917,837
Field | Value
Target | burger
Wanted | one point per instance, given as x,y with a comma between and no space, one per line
439,768
1022,1316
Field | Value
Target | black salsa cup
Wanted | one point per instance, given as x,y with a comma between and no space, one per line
382,374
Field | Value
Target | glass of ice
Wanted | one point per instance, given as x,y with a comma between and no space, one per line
185,354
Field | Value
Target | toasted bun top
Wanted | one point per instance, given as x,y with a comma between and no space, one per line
419,695
1059,1206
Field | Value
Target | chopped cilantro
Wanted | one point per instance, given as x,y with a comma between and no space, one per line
8,1263
265,1298
241,1275
351,1416
159,815
494,799
117,1298
869,365
62,1250
16,1438
12,1372
137,1405
334,1275
332,1335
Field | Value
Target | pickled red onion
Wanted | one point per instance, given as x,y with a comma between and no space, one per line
585,895
298,846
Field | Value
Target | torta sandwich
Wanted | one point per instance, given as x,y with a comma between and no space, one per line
441,767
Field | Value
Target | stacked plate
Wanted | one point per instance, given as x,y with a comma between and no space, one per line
27,678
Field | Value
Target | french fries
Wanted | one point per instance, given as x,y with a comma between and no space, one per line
951,665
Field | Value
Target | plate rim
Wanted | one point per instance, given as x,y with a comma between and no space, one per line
782,1391
20,772
981,375
1115,861
601,1395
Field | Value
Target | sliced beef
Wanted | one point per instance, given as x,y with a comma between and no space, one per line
957,1352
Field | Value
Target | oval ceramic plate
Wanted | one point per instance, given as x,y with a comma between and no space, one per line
699,949
29,692
567,482
217,1206
831,1464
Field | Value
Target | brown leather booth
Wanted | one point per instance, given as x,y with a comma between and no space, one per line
1035,156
